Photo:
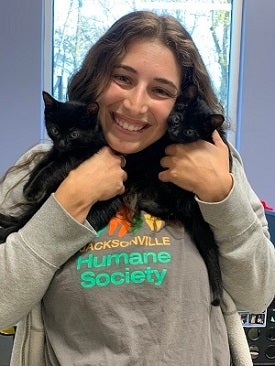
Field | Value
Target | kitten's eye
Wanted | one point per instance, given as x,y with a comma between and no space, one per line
177,119
74,134
54,131
190,133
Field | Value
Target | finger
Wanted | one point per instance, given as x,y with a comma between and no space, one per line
125,176
170,149
163,176
164,162
123,161
122,190
122,158
217,140
104,150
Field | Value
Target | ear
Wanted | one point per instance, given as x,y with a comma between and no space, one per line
217,120
189,94
93,108
48,99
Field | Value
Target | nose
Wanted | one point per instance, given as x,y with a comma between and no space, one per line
137,100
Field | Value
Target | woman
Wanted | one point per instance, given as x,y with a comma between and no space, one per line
135,295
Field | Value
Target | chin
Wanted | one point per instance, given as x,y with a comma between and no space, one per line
126,148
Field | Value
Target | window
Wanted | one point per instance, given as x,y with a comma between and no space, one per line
77,24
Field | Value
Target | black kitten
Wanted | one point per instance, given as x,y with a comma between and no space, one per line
76,135
190,120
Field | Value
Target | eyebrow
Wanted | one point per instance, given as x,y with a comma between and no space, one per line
161,80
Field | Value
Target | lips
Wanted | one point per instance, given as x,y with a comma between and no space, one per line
129,124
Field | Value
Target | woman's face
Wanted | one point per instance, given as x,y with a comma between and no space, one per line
143,88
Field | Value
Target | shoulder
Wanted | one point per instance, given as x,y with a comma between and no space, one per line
12,182
32,153
235,154
238,170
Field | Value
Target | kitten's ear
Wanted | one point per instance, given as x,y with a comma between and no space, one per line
48,99
217,120
93,108
189,94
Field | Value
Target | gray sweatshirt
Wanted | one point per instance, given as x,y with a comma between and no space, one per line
33,257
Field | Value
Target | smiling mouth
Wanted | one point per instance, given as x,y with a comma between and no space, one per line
131,127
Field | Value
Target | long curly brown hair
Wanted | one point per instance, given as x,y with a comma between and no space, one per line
96,70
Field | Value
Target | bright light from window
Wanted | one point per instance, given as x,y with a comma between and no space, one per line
79,23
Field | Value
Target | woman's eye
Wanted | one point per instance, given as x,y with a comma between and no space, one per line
121,79
164,93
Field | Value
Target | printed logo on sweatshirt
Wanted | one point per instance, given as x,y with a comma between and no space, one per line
123,269
97,269
121,225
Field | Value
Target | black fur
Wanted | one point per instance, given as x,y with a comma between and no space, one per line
190,120
76,135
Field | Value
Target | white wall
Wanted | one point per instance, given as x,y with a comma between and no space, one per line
257,97
21,25
21,73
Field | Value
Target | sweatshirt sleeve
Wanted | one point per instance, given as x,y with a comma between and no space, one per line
247,256
30,257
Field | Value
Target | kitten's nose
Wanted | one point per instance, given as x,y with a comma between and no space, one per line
62,144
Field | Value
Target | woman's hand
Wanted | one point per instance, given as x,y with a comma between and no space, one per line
200,167
99,178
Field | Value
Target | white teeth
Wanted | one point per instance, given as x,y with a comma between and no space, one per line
128,127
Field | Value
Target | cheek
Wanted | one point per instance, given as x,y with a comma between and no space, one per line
161,125
162,113
111,95
104,101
